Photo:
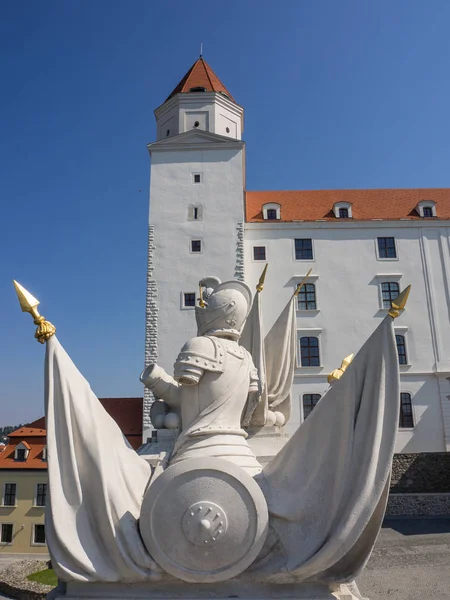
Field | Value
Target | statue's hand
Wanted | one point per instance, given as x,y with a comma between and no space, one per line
148,374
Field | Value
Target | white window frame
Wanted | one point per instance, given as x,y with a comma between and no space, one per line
35,504
311,279
4,494
21,446
301,401
44,454
309,332
195,240
377,252
304,260
259,260
182,305
342,204
2,543
426,204
193,174
403,391
387,278
38,544
271,206
404,330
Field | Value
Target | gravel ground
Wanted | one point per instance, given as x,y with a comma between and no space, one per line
15,576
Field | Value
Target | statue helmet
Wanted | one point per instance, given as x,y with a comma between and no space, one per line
225,307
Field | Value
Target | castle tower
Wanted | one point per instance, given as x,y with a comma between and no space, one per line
196,221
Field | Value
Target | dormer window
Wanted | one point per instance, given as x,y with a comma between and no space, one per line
44,454
343,210
426,209
197,89
21,452
271,212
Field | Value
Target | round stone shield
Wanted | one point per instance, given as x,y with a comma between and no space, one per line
204,520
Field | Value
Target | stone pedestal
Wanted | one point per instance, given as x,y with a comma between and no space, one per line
177,590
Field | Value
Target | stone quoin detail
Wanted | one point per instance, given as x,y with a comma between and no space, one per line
151,324
239,271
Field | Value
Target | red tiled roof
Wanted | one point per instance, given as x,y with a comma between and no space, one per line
392,204
200,75
126,412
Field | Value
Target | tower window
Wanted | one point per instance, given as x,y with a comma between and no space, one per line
195,213
189,299
389,291
199,88
386,247
401,349
196,124
309,352
271,214
197,178
427,211
303,249
168,133
309,402
307,297
406,414
343,213
259,253
227,129
196,245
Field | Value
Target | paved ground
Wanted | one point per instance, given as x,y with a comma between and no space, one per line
411,561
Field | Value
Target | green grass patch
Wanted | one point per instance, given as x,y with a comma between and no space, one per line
46,577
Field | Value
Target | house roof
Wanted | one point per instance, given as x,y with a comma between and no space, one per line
200,75
313,205
127,413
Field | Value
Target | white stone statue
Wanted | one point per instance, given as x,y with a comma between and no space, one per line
210,521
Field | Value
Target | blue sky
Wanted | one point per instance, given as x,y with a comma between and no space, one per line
350,94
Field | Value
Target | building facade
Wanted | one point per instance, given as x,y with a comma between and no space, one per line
24,477
363,247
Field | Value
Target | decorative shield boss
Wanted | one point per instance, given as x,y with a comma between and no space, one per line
204,520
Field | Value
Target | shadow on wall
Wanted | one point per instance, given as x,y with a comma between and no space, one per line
425,473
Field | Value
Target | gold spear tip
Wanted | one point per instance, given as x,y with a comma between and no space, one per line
302,283
260,286
26,300
399,303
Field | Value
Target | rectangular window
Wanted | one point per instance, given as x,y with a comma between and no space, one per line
9,497
389,291
189,299
7,533
343,213
259,253
406,415
386,247
427,211
309,402
303,249
195,213
307,297
196,245
309,352
401,349
197,178
41,494
39,534
21,455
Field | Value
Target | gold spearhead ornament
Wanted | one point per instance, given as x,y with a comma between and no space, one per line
399,303
260,286
337,373
29,304
302,283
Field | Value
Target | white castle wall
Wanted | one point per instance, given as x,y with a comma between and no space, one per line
347,272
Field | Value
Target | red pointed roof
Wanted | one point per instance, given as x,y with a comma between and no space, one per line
200,75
